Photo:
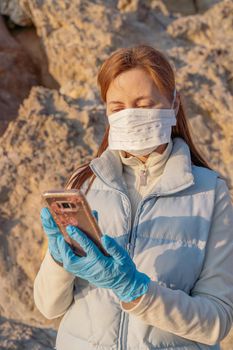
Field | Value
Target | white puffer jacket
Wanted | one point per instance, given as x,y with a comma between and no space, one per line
182,237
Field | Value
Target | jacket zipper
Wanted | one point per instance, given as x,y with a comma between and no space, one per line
142,182
125,318
143,176
130,252
143,172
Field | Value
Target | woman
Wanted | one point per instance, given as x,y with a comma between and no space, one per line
167,219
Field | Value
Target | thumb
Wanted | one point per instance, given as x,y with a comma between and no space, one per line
113,248
49,225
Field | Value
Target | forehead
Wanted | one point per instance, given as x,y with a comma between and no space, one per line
132,83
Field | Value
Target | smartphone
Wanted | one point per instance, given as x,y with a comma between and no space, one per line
70,207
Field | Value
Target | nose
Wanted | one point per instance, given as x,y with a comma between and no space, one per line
130,105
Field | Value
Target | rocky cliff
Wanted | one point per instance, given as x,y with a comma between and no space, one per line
52,119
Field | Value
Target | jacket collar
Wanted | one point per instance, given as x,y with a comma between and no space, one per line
177,174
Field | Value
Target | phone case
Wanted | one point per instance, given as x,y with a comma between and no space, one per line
71,207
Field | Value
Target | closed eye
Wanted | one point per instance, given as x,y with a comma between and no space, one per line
119,109
116,110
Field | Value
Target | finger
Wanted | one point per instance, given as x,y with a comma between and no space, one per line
54,251
87,244
53,243
48,223
66,252
45,213
114,249
95,214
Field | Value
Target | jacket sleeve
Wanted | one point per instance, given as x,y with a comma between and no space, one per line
206,314
53,288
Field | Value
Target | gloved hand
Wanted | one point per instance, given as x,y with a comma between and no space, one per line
117,272
52,231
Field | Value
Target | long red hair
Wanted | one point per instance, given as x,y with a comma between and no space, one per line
161,71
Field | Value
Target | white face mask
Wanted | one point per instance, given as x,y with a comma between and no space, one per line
141,130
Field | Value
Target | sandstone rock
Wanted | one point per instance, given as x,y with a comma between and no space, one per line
16,12
18,336
204,61
33,47
38,151
80,34
183,7
187,7
203,5
56,131
19,76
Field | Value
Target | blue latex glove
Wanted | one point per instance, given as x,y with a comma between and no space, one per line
52,231
117,272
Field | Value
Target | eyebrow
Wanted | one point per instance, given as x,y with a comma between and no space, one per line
136,100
